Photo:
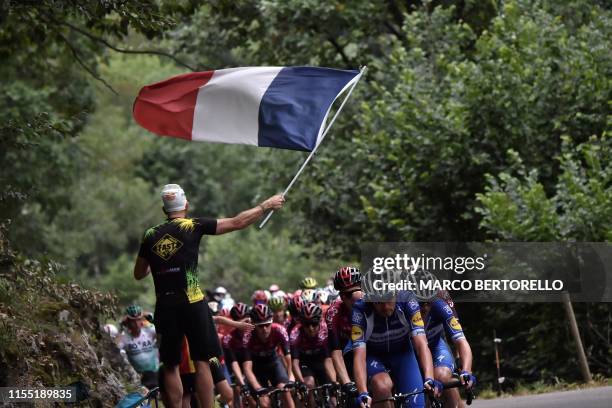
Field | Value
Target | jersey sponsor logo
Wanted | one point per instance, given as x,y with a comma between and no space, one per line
356,332
453,322
167,246
417,320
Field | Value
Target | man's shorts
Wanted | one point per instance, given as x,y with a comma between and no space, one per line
175,319
316,369
270,373
404,371
442,356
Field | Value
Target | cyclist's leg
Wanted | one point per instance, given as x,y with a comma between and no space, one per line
278,378
379,381
262,373
407,377
310,382
444,366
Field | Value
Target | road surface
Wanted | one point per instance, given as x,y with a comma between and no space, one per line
599,397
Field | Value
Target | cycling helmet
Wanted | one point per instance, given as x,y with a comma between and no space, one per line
261,313
134,312
308,283
221,291
274,288
240,311
295,305
311,312
224,311
346,278
259,296
276,303
308,295
322,296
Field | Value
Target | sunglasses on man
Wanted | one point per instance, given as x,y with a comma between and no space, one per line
311,324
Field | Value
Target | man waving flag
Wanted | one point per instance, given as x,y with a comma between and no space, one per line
281,107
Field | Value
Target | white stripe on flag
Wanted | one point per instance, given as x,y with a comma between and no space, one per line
227,107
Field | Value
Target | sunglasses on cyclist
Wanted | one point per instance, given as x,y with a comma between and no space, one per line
311,324
263,325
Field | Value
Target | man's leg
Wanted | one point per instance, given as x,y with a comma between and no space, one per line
173,386
204,384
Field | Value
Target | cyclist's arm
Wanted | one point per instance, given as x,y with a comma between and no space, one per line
465,352
246,218
329,369
141,269
338,361
423,355
359,368
232,323
288,364
297,371
237,373
250,376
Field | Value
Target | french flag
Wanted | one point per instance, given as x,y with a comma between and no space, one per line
280,107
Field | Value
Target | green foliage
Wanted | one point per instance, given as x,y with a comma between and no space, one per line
247,260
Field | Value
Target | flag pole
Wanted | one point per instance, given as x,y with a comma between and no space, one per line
311,155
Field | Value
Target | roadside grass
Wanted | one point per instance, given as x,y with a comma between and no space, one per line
540,387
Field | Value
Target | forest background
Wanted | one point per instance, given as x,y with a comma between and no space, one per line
478,120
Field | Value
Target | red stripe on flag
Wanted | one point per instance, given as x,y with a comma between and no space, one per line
166,108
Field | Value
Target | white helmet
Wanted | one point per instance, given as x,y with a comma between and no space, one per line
221,290
111,330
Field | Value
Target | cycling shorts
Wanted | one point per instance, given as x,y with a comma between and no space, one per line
316,369
442,356
175,319
404,371
270,373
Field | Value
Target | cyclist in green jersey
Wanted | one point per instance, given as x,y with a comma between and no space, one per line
169,251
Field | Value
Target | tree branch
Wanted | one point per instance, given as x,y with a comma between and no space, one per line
340,50
91,72
123,50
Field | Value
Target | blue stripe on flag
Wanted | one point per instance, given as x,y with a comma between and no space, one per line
294,106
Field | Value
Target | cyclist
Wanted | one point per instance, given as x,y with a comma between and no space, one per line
169,251
308,283
262,365
259,297
382,353
140,345
295,308
347,281
441,317
279,314
310,349
233,347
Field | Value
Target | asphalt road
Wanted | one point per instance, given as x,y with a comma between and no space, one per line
600,397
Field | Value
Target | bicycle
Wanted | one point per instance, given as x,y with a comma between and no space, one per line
322,395
272,392
399,400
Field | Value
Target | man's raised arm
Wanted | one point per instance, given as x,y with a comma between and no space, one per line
246,218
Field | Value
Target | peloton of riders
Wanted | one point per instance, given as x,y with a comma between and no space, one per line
368,347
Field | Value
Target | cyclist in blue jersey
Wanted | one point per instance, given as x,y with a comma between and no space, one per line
385,335
440,317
